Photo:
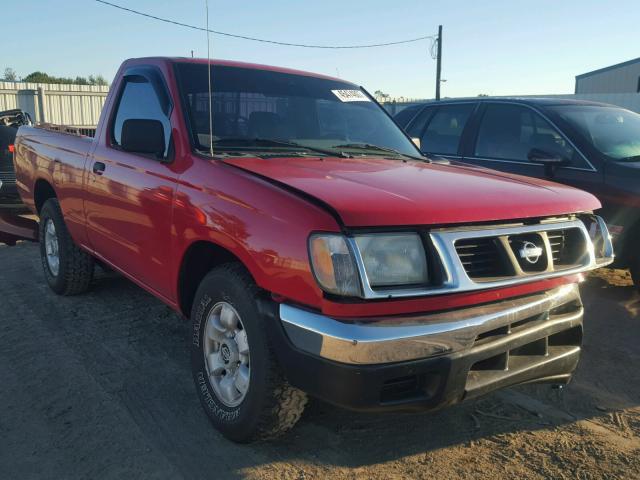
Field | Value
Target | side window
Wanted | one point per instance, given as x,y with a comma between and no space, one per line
445,129
509,132
139,101
404,116
417,126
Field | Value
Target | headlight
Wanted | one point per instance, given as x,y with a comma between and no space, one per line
393,259
333,264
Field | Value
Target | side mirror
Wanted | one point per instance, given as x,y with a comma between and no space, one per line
551,161
143,136
416,141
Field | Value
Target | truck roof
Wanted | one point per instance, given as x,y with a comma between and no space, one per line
232,63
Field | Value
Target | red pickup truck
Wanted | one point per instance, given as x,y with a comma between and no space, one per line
312,246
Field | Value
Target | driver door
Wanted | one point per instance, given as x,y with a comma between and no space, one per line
130,195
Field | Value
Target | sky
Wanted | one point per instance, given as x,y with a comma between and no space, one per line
492,47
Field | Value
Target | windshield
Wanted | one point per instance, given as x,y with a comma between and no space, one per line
613,131
252,107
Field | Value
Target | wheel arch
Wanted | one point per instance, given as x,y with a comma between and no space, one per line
42,191
198,259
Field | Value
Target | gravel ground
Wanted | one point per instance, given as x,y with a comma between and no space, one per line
99,386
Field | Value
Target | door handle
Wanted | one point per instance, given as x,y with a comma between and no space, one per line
98,168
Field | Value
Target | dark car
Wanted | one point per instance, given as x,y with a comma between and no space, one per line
592,146
10,121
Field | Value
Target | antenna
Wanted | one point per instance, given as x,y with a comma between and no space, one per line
206,7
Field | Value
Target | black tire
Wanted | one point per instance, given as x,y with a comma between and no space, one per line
270,406
75,270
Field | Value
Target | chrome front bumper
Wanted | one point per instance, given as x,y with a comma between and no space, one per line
398,339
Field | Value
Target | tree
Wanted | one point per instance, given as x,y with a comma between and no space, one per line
10,75
100,80
41,77
381,96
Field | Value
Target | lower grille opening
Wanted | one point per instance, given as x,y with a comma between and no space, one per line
399,389
539,347
569,307
571,337
516,326
499,362
493,333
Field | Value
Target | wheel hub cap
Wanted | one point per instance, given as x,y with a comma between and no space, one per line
51,247
226,354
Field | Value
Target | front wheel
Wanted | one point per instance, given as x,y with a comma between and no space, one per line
238,380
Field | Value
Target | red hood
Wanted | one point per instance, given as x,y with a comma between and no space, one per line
380,192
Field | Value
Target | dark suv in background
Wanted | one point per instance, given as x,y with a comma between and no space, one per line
592,146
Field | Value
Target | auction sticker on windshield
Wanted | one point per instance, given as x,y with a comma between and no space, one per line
351,95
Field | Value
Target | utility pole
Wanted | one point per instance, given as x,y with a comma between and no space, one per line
439,63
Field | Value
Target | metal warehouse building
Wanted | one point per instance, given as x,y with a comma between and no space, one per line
621,78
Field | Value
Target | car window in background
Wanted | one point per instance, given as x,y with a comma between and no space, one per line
509,132
416,127
614,132
403,117
139,101
443,133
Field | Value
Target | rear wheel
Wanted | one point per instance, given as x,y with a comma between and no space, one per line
238,380
68,269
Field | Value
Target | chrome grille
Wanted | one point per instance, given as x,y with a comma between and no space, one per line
500,256
521,252
565,247
557,242
481,258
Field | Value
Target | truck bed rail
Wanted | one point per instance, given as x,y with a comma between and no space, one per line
81,131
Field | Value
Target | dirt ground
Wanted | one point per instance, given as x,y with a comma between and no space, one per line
99,386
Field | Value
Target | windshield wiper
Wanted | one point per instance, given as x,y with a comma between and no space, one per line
632,158
370,146
256,141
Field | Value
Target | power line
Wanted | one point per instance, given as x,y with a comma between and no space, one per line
262,40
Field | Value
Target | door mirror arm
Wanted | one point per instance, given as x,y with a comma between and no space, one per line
550,161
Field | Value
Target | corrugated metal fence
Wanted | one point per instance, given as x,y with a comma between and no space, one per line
78,105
